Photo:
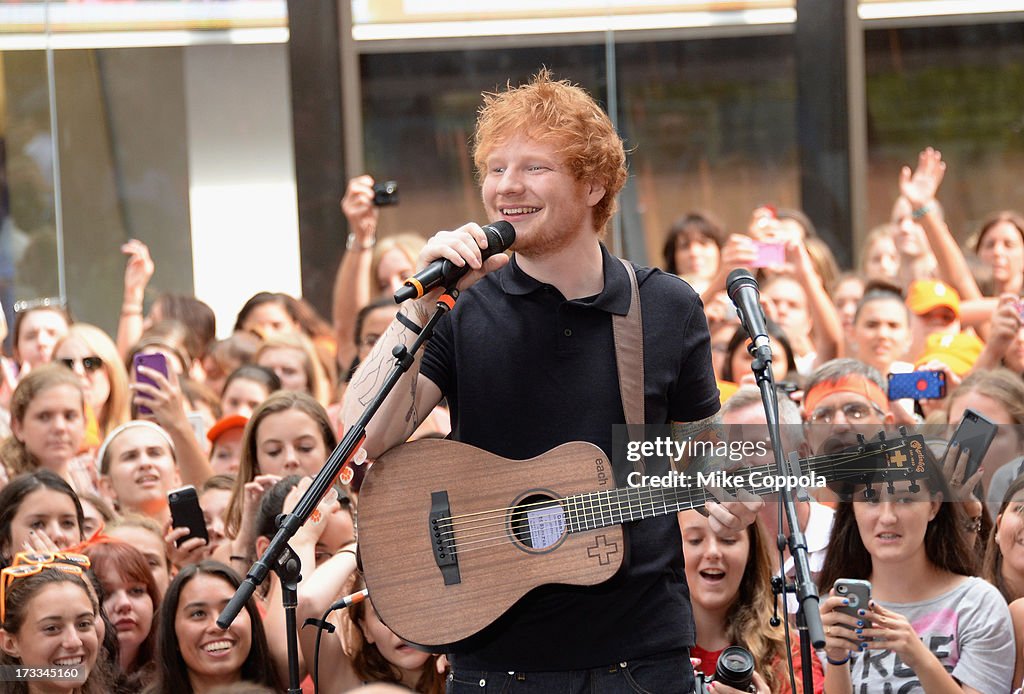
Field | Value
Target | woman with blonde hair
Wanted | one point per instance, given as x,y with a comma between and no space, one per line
92,355
293,358
880,260
48,428
730,588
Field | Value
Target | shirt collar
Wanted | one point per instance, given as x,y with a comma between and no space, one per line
614,298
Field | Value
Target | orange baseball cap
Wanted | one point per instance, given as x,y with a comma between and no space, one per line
235,421
926,295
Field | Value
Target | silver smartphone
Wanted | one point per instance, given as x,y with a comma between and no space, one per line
858,592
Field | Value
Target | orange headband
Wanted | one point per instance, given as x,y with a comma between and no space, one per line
851,383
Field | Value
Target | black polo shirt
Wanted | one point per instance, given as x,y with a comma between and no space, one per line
524,370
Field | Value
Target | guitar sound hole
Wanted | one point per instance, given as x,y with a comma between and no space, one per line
538,522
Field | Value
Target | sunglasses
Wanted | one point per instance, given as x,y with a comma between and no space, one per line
45,302
90,364
12,573
72,558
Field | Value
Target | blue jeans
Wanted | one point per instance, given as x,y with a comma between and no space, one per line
665,673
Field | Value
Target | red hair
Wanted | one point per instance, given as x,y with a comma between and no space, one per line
560,112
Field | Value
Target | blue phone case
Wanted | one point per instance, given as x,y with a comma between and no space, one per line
917,385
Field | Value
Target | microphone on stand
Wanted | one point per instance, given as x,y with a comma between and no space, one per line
743,291
443,272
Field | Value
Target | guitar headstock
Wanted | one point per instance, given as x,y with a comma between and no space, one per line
882,461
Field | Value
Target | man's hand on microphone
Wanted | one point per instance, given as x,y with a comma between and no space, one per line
461,246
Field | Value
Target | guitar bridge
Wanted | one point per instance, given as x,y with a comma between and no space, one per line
442,538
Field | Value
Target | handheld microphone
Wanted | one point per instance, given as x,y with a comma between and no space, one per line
443,272
742,289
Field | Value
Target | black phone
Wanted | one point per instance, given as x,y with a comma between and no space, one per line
186,513
975,433
385,193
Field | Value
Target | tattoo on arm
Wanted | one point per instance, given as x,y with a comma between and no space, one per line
708,431
685,431
411,415
377,366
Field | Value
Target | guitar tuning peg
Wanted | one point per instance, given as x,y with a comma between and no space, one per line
914,487
881,436
891,486
870,494
903,430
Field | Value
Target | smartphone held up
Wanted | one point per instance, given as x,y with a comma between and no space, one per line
155,361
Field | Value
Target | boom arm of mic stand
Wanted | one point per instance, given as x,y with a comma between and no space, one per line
344,451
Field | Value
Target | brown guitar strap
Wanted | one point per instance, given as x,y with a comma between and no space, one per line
628,333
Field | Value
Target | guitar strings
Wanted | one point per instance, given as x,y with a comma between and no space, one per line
609,506
580,506
810,462
501,540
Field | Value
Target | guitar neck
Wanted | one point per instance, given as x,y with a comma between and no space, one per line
594,510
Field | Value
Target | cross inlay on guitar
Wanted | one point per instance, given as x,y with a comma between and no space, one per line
602,550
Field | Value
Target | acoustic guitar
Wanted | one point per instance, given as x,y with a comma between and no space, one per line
450,536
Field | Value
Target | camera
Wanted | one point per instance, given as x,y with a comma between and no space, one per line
385,193
735,669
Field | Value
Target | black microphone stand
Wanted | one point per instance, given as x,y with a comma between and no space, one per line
808,617
278,556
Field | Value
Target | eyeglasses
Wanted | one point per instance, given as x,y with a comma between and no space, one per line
973,525
12,573
853,411
89,364
45,302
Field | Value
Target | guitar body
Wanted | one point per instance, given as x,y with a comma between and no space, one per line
492,505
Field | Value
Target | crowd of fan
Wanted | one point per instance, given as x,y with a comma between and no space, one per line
100,429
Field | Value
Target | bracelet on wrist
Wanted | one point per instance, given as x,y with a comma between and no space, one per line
844,661
922,211
408,323
352,240
129,310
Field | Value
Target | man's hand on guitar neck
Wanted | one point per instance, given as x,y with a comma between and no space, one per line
733,513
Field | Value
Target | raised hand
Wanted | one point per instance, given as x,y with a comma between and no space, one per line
138,270
920,185
359,210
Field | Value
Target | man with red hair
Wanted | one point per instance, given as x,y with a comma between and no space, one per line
527,361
